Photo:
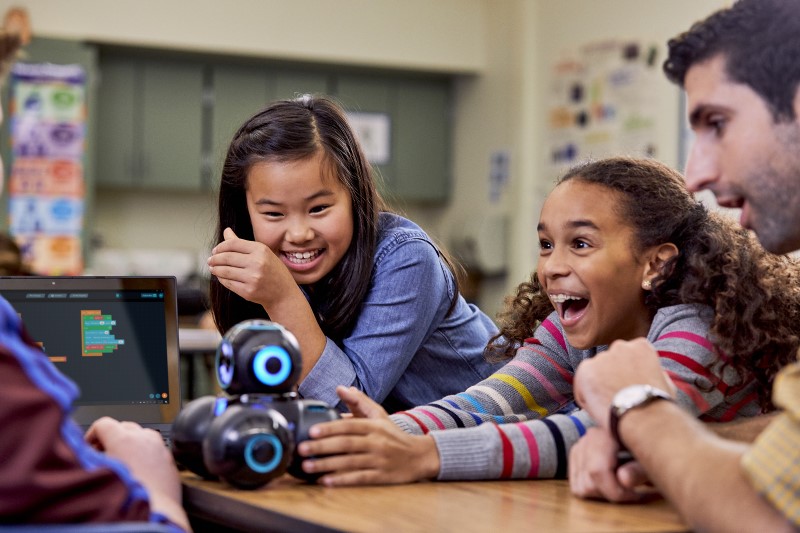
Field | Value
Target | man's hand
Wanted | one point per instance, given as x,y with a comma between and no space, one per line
625,363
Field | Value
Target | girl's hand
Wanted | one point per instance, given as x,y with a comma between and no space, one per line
367,449
250,269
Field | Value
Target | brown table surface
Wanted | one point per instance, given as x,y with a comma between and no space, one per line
522,505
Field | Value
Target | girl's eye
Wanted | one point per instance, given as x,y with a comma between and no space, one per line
272,214
319,208
580,244
545,245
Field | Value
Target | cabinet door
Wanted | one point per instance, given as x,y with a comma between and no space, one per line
291,84
118,147
239,92
418,169
370,94
422,140
172,124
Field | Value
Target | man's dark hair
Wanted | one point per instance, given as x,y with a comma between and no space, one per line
760,40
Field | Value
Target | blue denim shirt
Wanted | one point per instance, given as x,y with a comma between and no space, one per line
404,349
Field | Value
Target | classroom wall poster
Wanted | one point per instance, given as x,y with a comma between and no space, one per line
602,102
46,187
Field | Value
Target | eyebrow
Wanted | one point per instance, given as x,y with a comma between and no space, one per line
694,116
572,224
700,110
324,193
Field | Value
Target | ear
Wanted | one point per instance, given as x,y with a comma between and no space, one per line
655,259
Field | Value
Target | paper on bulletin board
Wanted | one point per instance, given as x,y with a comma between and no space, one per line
602,103
46,187
373,131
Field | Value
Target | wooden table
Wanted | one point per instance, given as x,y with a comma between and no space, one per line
484,506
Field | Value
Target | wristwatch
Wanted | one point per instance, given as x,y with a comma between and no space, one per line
629,398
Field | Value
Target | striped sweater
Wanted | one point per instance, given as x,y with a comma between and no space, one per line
530,401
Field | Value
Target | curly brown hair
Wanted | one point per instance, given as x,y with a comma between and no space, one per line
754,295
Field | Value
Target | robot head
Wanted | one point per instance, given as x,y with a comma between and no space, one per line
258,357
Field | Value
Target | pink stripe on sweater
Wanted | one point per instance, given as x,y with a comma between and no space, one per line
693,337
564,374
533,449
555,332
688,363
548,385
694,395
432,416
731,413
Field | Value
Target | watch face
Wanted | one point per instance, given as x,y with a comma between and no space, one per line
631,396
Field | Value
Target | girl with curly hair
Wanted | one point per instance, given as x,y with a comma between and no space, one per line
625,252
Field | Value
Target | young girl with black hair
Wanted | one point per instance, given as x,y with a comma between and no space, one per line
305,240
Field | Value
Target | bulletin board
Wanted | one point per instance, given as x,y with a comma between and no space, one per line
46,186
602,102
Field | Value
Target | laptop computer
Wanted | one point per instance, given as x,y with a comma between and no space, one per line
115,337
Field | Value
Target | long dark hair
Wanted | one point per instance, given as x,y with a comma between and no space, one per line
756,306
292,130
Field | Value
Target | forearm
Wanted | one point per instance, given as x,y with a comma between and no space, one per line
294,313
745,430
531,386
697,471
533,449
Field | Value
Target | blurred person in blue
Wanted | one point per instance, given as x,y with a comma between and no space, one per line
50,471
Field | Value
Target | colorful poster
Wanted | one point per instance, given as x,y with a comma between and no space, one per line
46,188
602,103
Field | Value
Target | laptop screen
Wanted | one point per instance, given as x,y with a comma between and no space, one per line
115,337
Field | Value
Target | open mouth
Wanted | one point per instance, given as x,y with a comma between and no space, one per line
570,308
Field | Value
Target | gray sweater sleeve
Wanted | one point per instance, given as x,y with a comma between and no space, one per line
537,382
533,449
533,446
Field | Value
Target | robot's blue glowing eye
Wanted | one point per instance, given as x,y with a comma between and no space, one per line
220,405
225,364
272,365
263,453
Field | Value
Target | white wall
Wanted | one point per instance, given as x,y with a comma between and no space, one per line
443,35
505,106
501,49
553,28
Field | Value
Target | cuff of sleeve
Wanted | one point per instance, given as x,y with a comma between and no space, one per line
403,423
468,453
333,368
160,518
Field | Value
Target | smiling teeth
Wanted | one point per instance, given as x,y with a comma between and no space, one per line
561,298
301,257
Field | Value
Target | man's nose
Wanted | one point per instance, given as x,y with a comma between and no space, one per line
702,169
